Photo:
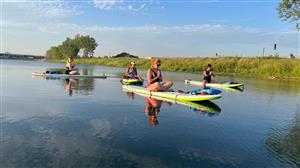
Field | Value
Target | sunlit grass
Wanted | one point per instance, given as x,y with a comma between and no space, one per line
260,67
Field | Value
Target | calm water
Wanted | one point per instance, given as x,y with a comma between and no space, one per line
93,123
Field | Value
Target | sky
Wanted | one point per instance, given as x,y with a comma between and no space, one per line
181,28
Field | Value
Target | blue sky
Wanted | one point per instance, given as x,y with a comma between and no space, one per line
150,28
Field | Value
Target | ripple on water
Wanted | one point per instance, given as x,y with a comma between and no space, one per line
284,143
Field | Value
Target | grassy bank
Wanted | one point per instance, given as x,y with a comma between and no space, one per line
258,67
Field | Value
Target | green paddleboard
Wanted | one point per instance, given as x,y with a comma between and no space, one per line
215,85
132,82
171,95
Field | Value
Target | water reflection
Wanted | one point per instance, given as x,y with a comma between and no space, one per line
239,89
275,87
152,109
130,95
203,107
67,142
154,103
284,143
50,129
82,86
69,85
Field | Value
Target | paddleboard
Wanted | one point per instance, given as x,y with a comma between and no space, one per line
66,76
171,95
216,85
207,106
132,82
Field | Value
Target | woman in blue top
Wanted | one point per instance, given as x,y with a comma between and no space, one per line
131,72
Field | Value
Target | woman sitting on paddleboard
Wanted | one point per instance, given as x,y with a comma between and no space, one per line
154,77
131,72
70,67
207,75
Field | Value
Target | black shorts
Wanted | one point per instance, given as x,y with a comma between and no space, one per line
208,79
67,71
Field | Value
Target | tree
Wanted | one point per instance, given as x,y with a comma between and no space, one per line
289,10
292,56
53,52
71,47
87,44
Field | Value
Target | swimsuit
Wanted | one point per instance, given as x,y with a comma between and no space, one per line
208,77
68,70
153,75
131,73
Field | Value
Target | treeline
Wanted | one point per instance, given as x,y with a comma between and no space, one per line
83,46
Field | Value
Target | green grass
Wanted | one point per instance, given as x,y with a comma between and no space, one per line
257,67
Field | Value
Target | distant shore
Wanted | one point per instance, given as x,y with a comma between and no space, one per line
265,67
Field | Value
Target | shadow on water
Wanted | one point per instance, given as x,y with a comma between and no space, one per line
284,143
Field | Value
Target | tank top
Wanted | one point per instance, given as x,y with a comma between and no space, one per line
131,72
72,66
208,77
153,75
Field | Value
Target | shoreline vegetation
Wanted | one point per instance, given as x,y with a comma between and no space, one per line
263,67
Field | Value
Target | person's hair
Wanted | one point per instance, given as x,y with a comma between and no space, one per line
209,65
71,59
153,121
154,61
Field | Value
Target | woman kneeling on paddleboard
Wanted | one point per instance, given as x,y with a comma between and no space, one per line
70,67
154,77
207,75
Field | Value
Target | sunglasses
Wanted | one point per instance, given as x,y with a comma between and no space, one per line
158,64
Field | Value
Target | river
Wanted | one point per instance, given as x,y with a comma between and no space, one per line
94,123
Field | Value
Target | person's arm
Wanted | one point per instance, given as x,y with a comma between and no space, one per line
68,65
159,74
127,72
72,65
149,77
135,72
212,73
204,74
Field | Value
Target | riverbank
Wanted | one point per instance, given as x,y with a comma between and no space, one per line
283,68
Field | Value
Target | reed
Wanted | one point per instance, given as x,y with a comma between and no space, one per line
259,67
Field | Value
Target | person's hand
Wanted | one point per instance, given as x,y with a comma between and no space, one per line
158,73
